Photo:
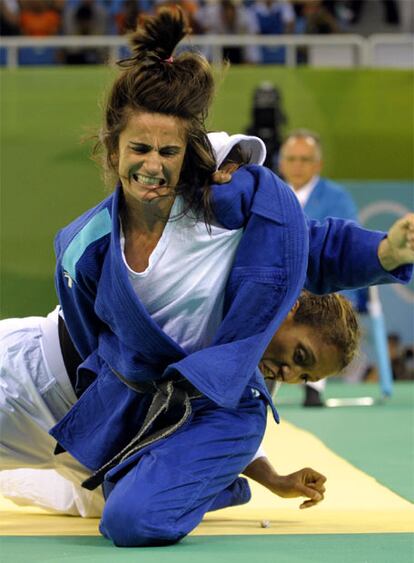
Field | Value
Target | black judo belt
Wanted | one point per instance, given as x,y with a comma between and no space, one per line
169,409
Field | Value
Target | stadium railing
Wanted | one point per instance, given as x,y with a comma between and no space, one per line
386,50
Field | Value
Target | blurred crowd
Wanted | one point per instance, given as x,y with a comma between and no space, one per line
274,17
401,359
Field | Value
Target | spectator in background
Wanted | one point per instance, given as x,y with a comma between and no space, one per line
390,10
401,361
409,361
300,163
274,18
228,18
87,17
406,11
315,17
9,17
39,18
318,18
397,358
126,15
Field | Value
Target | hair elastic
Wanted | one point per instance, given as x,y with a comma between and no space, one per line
169,60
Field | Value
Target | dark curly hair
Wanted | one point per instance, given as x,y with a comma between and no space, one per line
334,318
152,80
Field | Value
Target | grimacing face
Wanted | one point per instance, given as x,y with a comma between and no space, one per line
151,154
297,354
299,161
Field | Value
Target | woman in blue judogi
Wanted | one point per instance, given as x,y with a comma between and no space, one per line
44,342
171,294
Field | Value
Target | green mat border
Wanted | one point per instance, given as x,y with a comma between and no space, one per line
331,548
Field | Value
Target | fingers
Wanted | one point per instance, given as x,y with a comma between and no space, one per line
313,478
308,504
409,225
320,488
221,177
409,219
318,483
313,487
405,226
313,494
314,497
406,221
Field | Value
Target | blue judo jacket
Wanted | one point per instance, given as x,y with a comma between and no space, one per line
279,253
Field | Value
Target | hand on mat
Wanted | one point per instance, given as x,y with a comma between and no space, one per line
398,248
303,483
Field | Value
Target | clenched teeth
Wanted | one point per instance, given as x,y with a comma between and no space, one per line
148,180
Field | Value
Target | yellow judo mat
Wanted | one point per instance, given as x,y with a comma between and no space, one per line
354,501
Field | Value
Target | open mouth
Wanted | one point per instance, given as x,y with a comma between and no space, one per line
149,181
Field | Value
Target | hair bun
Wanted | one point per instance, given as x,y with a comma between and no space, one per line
157,36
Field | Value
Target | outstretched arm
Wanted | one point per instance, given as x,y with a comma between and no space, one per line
303,483
343,255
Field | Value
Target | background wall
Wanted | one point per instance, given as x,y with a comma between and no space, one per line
365,119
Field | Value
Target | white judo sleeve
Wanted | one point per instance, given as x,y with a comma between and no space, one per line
35,392
47,489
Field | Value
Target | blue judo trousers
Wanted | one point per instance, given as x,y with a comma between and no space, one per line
158,493
165,495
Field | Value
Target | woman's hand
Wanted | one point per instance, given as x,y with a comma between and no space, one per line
224,173
303,483
398,248
220,177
